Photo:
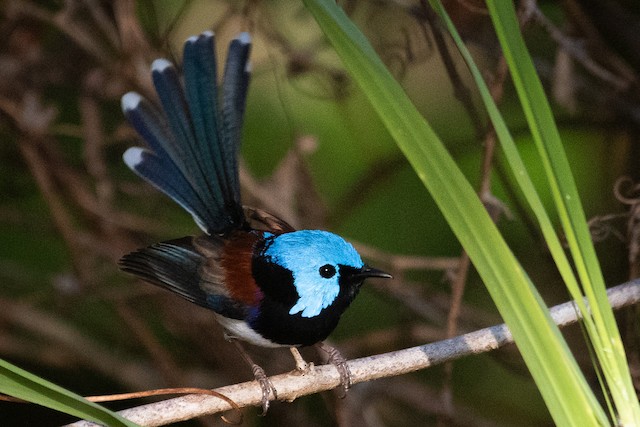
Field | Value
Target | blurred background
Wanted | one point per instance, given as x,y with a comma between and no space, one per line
315,154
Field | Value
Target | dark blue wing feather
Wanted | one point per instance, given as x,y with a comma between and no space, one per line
195,143
175,265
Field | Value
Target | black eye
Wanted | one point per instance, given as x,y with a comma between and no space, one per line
327,271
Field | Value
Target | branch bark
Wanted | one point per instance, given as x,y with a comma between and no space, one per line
291,385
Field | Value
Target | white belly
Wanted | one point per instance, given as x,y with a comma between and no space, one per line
240,330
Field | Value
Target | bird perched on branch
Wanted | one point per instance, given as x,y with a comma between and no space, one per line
267,283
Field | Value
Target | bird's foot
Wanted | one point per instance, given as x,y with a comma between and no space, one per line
302,366
258,374
337,360
265,384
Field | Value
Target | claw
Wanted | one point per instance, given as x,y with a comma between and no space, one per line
266,385
258,373
337,360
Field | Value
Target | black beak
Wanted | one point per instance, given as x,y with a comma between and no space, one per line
367,271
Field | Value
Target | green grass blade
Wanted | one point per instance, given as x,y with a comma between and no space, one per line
514,160
519,172
541,345
602,330
19,383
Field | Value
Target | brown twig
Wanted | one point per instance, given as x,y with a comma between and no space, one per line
167,367
59,212
460,89
579,54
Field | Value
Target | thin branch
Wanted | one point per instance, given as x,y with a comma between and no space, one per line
404,263
103,22
290,386
167,367
460,90
495,210
577,51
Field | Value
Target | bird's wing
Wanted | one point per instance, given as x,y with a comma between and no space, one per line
183,267
195,139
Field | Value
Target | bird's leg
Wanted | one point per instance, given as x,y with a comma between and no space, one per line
301,365
337,360
258,373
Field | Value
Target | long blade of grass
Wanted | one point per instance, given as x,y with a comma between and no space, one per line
541,345
19,383
602,330
512,155
518,168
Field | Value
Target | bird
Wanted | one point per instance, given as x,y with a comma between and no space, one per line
267,283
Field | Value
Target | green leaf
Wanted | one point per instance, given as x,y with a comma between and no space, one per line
599,319
521,175
19,383
539,340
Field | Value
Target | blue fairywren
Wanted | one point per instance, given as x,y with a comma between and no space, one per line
268,284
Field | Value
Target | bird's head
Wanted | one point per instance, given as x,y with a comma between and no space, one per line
323,267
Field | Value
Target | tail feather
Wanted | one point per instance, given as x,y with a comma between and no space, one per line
200,70
161,165
235,84
186,151
195,143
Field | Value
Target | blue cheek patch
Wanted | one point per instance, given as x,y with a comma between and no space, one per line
316,296
303,253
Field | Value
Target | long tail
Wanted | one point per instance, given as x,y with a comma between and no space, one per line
194,142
